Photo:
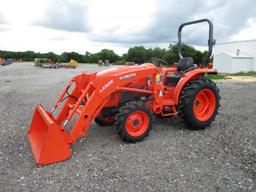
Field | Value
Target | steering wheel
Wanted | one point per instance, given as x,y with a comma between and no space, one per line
157,62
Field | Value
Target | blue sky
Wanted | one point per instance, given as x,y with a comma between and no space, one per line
91,25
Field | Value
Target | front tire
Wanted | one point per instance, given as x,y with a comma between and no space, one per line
134,122
199,103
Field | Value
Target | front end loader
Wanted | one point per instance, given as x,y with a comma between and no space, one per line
127,97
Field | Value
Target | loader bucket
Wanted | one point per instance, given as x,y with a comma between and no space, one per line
47,139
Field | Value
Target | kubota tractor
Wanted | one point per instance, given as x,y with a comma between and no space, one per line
126,97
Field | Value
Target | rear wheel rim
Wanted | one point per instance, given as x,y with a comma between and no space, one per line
137,123
204,104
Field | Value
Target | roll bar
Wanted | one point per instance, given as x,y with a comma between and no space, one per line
211,41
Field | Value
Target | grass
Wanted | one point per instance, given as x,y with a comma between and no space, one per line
221,76
214,77
250,73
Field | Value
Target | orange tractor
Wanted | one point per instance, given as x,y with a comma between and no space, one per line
126,97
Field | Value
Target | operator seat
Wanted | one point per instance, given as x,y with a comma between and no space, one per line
183,65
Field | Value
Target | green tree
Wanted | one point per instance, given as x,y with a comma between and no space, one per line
137,54
86,57
170,57
63,57
28,56
109,55
94,58
188,51
158,52
52,56
67,56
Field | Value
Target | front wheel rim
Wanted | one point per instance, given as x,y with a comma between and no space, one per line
204,104
137,123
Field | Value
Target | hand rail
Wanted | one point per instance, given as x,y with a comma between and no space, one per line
211,41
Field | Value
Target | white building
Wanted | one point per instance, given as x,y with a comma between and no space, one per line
233,57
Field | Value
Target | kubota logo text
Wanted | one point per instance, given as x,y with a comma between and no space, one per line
127,76
106,85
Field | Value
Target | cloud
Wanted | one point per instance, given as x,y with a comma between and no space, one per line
66,15
169,15
233,17
96,24
229,18
3,26
163,25
2,20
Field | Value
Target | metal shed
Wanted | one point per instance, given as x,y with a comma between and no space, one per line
229,63
233,57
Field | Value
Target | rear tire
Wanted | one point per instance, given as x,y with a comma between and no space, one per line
199,103
134,122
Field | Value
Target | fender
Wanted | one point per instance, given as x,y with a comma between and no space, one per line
186,78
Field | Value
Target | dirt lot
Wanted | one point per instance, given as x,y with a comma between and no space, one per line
220,158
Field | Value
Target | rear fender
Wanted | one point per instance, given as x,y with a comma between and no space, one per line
188,77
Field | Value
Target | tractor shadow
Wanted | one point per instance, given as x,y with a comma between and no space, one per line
172,122
103,134
103,139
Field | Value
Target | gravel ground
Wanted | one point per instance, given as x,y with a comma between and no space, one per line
220,158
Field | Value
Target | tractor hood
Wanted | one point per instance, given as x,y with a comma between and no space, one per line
106,81
123,70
